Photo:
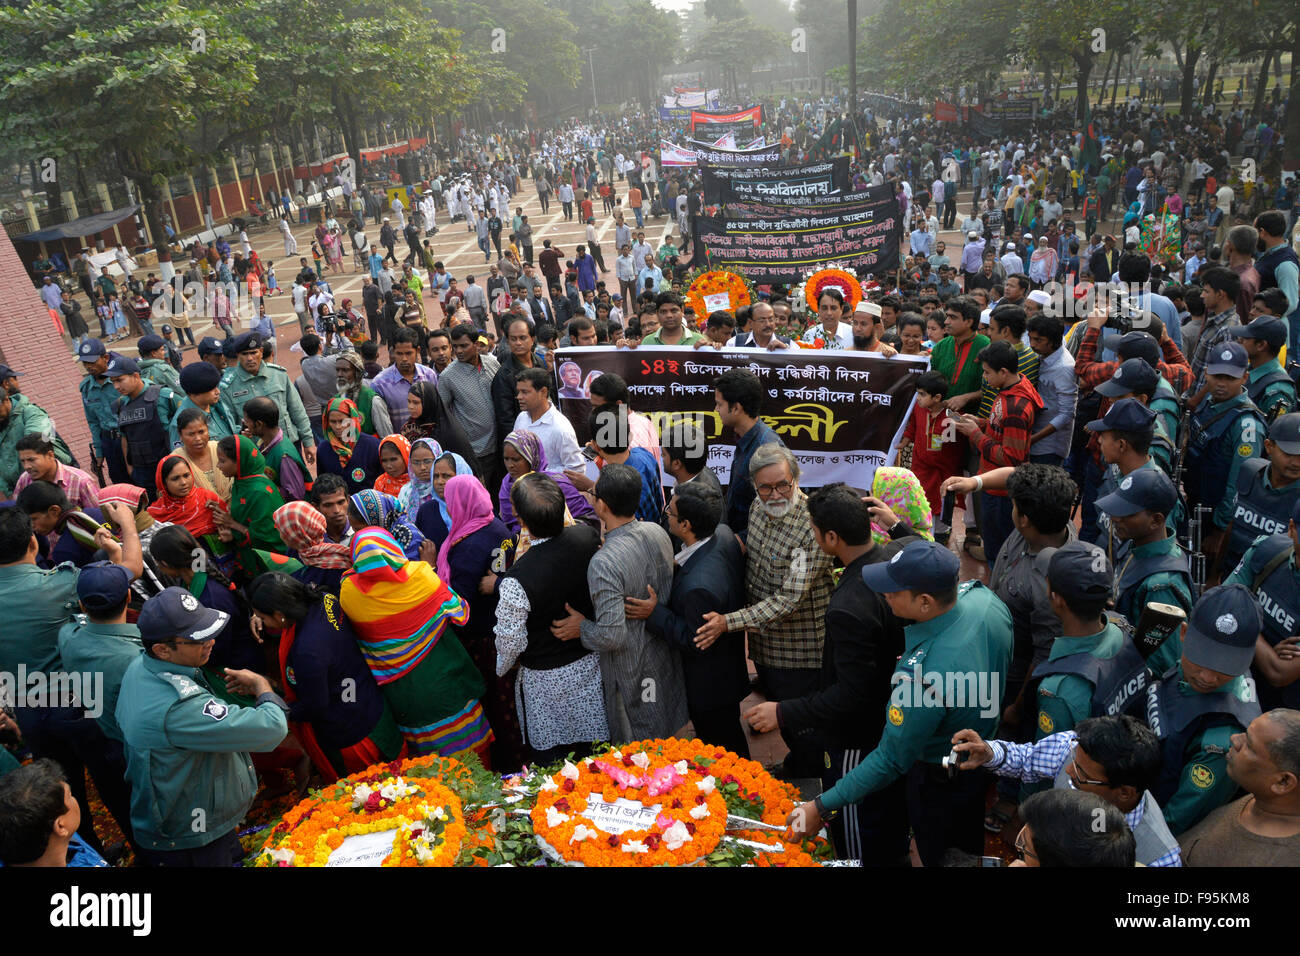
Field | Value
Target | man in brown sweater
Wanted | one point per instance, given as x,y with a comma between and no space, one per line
1263,827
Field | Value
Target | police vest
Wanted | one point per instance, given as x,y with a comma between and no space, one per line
1137,570
1259,511
1115,680
1152,834
1276,587
1179,718
1166,402
1266,265
1257,388
1208,456
145,433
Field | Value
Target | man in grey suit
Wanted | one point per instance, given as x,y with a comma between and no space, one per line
710,576
645,695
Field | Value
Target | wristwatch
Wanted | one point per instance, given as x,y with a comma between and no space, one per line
826,815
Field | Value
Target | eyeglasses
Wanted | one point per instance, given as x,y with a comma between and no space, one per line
1021,842
781,488
1072,768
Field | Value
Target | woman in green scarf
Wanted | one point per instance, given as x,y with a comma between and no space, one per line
250,524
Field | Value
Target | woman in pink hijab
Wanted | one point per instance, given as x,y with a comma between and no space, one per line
477,550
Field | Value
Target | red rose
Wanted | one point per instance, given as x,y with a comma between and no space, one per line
568,786
677,804
562,804
690,828
613,841
627,760
700,798
374,802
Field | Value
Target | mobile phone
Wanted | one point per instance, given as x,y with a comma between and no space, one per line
589,453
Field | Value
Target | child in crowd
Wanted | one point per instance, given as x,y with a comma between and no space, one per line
937,449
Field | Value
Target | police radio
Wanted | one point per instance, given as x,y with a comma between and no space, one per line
1156,623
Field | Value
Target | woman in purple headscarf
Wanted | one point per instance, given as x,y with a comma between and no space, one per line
522,452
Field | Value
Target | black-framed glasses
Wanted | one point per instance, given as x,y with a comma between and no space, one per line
765,491
1021,844
1072,768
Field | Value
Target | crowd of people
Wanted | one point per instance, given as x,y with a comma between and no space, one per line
313,575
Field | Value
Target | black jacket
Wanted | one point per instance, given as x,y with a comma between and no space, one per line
712,579
1101,266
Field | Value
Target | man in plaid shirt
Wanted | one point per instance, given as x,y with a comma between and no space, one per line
1117,758
788,583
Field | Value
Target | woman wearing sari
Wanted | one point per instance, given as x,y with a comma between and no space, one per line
433,517
318,654
523,453
302,528
400,611
429,419
250,523
395,459
200,451
347,451
182,502
479,548
369,508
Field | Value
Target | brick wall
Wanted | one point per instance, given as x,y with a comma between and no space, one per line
30,343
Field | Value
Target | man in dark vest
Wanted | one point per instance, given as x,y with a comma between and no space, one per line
1117,758
1268,489
1270,570
1153,567
1268,384
1124,437
558,690
143,414
1196,707
1278,266
1225,432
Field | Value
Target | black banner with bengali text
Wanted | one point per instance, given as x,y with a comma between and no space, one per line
765,156
839,412
784,184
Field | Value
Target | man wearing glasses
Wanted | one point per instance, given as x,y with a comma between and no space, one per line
1116,758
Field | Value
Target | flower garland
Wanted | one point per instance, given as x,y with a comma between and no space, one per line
824,279
691,819
426,813
739,291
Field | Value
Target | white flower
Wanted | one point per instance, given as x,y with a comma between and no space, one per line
569,771
681,767
554,817
700,811
581,832
706,784
676,835
635,846
440,814
360,795
616,754
549,785
282,855
642,760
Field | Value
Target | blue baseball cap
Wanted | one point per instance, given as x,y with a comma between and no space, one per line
208,345
1266,328
150,343
1079,571
923,566
1228,358
1146,489
122,365
176,614
1133,375
90,350
1222,629
1136,344
102,585
1285,433
1126,415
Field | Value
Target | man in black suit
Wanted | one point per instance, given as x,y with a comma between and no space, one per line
710,576
1102,263
863,641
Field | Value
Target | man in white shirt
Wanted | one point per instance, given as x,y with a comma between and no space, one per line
540,416
1010,261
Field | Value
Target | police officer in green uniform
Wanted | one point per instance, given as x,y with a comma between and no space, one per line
1165,400
253,376
1267,490
1270,570
1124,436
1226,431
201,385
192,779
154,366
1268,384
958,648
1136,379
143,412
213,351
98,396
1196,707
1153,567
1092,667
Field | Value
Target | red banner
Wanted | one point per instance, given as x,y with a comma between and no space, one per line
945,112
750,117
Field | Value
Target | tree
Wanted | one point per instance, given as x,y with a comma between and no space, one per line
1068,28
736,45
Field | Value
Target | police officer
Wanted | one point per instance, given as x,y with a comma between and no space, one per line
1267,490
961,641
1270,570
1196,707
1166,401
143,413
1134,378
1268,384
1226,431
154,366
192,779
1124,436
1092,668
213,351
1153,567
98,398
201,384
253,376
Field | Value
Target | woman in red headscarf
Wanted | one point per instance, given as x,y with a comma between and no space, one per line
347,451
181,501
395,459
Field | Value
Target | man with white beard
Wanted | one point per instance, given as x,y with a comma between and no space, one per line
788,585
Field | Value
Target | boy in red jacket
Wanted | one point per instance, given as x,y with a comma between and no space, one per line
937,449
1004,438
